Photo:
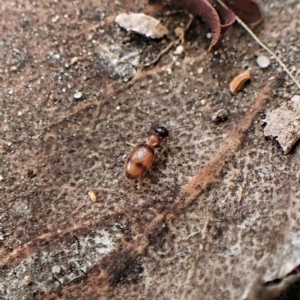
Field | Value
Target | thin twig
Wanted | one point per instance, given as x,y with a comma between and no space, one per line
180,40
160,54
255,37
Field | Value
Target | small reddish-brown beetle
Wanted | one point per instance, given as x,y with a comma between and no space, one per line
142,156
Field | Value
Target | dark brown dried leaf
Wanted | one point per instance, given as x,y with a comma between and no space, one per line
218,17
248,10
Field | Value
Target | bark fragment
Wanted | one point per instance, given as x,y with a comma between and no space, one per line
283,124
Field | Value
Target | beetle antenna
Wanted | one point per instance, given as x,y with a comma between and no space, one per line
174,129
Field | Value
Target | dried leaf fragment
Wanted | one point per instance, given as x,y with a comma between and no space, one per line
248,10
283,124
239,81
142,24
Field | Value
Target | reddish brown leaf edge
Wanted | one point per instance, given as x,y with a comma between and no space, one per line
219,18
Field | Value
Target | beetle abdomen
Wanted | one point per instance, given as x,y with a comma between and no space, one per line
139,161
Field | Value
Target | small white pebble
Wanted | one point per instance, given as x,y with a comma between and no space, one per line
56,269
90,36
169,71
295,98
27,280
74,60
178,31
77,95
293,69
263,61
56,56
10,92
295,102
55,19
200,70
209,35
203,101
179,50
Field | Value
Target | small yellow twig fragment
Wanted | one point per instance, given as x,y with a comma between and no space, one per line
93,195
239,81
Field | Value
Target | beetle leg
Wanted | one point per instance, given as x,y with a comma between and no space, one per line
130,144
139,183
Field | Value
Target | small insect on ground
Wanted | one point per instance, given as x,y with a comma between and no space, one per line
142,156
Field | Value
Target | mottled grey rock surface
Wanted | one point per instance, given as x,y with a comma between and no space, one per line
217,217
